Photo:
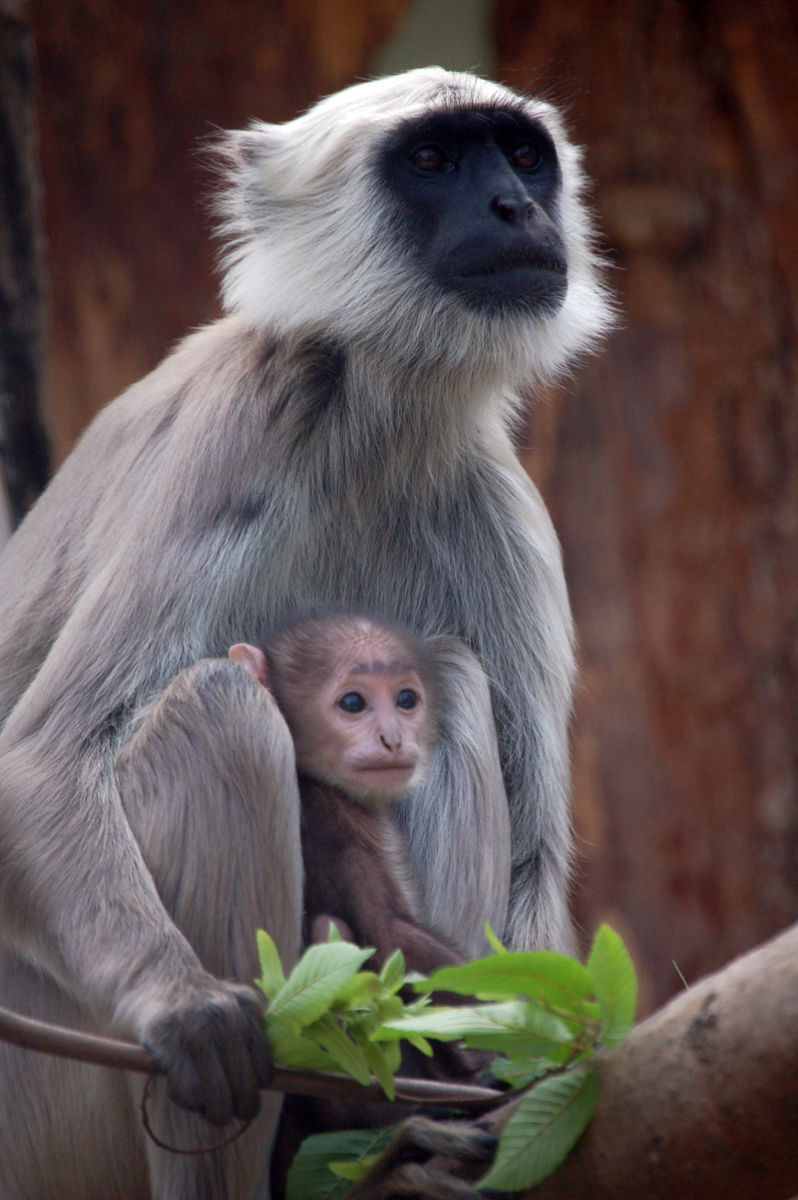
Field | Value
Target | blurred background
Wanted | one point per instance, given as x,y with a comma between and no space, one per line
670,463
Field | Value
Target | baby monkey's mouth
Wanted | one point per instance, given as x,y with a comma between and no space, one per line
389,769
385,765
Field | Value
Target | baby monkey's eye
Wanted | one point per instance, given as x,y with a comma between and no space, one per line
407,699
352,702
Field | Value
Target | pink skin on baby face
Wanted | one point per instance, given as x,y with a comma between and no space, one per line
374,716
365,730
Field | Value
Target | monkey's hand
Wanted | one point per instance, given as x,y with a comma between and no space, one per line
214,1054
320,928
406,1168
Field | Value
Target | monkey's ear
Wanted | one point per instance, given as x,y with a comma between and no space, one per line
252,659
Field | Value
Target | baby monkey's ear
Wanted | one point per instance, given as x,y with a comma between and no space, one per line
252,659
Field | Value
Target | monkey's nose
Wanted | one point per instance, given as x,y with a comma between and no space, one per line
391,740
512,207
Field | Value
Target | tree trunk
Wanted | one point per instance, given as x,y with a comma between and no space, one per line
700,1102
671,468
24,453
130,93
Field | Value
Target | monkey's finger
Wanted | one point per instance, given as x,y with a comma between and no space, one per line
193,1046
246,1058
183,1084
251,1007
216,1060
261,1056
322,924
196,1082
200,1091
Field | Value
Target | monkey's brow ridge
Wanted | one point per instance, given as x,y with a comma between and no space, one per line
377,667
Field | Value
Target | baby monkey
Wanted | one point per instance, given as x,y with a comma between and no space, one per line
360,699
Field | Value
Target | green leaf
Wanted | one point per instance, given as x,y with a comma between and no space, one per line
393,972
519,1074
544,1128
315,982
388,1008
418,1006
383,1062
272,977
360,1025
539,974
309,1176
614,984
510,1017
520,1047
353,1171
493,940
349,1057
418,1042
291,1049
361,989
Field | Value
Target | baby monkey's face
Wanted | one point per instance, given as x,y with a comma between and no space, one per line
368,729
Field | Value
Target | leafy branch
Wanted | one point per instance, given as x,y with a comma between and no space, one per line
335,1030
541,1014
698,1100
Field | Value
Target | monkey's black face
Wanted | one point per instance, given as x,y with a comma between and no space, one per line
478,198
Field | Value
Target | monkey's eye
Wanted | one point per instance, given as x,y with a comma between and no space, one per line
407,699
352,702
429,159
526,156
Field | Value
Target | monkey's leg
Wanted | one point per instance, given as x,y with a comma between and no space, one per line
459,818
222,843
67,1129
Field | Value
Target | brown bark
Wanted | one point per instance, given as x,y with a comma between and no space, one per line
700,1102
128,93
671,468
24,452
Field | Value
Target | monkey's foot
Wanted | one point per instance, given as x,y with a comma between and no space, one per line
406,1169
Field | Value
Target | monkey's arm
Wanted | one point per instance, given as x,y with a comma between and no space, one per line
372,891
374,915
524,645
462,805
142,569
77,894
216,745
536,718
96,885
424,951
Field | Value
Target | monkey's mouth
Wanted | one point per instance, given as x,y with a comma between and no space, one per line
514,260
524,276
390,770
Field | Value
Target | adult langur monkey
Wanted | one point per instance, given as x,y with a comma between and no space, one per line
400,261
